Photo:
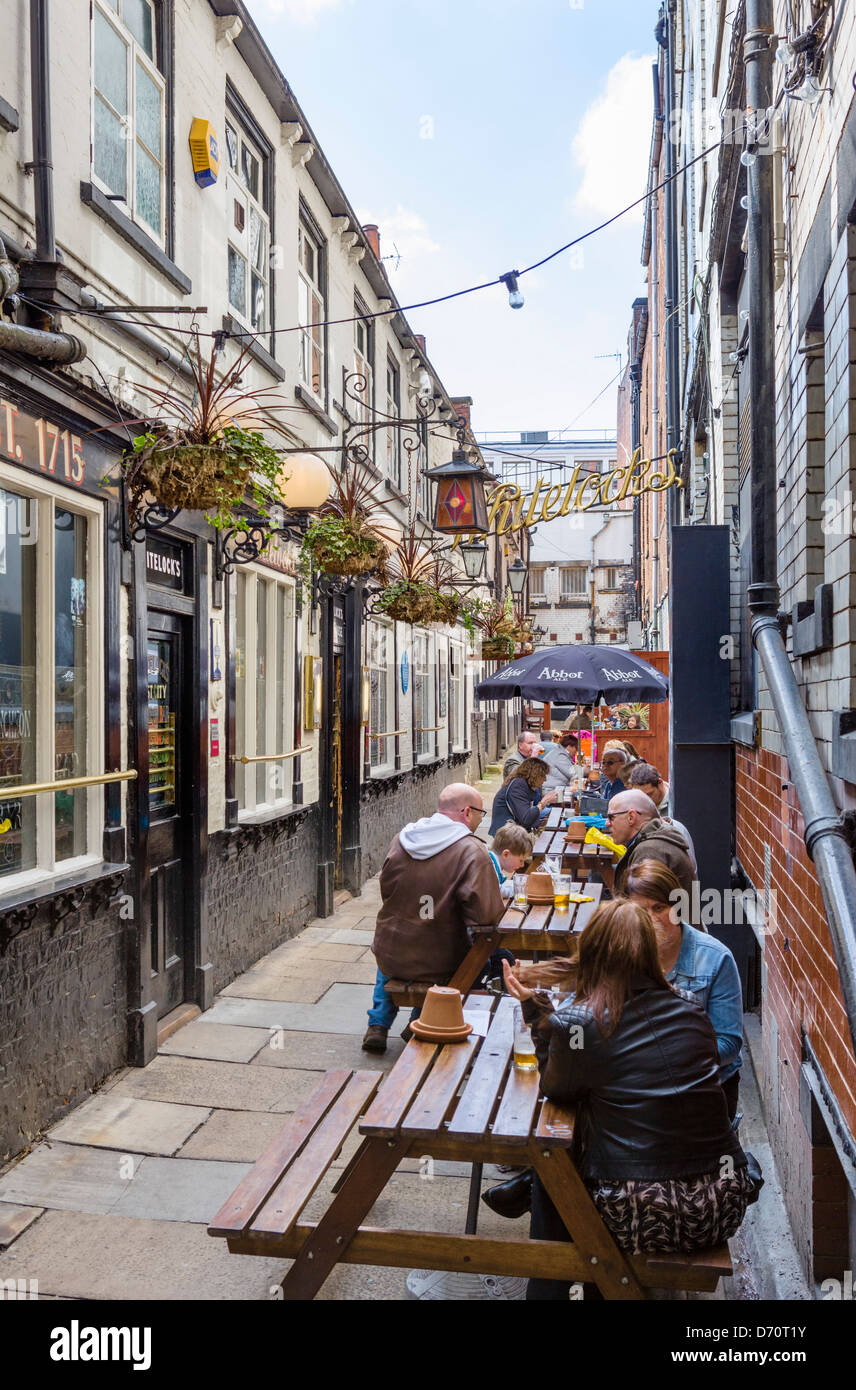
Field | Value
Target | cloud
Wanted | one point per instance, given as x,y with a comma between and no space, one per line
404,229
300,11
613,139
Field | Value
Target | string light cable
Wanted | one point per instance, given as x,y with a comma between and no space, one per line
424,303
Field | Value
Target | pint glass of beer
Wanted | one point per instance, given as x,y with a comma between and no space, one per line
524,1048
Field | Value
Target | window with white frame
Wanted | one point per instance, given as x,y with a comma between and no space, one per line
51,679
610,578
381,662
538,582
129,110
457,712
393,433
363,366
264,688
424,704
310,309
249,228
573,581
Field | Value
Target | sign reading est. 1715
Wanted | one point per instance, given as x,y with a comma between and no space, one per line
40,444
507,508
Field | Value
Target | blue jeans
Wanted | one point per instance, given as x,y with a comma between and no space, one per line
383,1010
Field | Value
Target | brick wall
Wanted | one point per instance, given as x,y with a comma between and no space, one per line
262,887
801,991
62,1018
389,803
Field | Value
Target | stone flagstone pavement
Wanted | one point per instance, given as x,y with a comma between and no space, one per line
113,1203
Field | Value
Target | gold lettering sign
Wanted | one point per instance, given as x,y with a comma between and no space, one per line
508,509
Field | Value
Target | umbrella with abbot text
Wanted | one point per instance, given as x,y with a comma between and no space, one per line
578,674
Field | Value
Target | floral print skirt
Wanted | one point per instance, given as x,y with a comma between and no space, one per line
683,1214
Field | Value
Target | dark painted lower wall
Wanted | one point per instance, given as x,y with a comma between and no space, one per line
62,1016
388,803
261,889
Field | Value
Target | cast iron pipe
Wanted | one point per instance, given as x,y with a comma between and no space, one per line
42,163
665,35
62,348
824,834
159,351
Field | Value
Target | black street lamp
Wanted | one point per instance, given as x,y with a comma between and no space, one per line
474,555
460,505
517,574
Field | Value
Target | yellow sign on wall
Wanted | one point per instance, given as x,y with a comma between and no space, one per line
509,509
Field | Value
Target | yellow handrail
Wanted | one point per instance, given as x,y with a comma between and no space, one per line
393,733
273,757
36,788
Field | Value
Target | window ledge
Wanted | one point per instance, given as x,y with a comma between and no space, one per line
273,824
257,351
396,492
745,728
135,236
9,118
306,398
62,894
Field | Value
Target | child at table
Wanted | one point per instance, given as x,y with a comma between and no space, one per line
511,852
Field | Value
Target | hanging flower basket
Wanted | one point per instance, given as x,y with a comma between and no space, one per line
447,608
408,601
497,648
211,477
337,546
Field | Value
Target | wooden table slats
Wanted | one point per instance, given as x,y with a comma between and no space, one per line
432,1103
516,1109
389,1108
291,1194
476,1105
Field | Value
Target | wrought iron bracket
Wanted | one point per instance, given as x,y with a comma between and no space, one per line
241,545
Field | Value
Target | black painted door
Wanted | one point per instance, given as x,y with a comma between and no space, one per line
169,819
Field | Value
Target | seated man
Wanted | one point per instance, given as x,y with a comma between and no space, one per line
527,743
613,761
437,881
632,821
648,780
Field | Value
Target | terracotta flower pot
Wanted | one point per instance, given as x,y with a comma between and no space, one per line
442,1017
539,888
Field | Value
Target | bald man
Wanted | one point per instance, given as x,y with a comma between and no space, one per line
436,883
632,820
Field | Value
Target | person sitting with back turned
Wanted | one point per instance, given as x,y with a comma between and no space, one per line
649,781
437,882
652,1138
559,757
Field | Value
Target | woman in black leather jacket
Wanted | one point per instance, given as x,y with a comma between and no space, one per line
638,1058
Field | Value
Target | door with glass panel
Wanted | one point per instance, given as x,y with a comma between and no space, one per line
169,820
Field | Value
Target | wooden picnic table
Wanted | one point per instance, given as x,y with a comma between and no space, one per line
463,1102
525,931
578,858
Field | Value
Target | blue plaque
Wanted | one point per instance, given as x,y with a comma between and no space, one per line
405,673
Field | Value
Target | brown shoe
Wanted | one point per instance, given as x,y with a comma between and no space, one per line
375,1038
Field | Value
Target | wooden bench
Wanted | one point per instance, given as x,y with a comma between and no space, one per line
461,1102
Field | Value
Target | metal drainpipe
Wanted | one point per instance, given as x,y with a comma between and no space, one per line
62,348
665,35
42,164
824,835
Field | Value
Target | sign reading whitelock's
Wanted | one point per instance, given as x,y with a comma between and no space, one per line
508,509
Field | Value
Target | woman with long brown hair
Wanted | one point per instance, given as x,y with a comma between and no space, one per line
638,1058
695,961
519,798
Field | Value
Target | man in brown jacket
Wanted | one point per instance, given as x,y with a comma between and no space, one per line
436,882
633,822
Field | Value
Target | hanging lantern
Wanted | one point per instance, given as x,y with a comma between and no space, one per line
459,503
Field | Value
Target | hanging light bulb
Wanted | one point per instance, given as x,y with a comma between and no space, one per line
748,158
809,91
515,298
785,53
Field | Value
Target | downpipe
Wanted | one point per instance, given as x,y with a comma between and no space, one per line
824,835
62,348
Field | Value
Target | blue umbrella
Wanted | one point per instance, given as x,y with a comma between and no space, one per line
578,674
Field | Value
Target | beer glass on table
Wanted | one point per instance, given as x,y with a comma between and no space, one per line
524,1047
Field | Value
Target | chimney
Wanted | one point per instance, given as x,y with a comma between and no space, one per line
373,238
419,340
463,405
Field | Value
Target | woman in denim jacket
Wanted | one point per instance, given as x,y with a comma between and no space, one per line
694,961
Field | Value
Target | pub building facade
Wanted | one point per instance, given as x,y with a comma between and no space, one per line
247,745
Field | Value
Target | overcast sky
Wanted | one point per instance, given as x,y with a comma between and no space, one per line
480,135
